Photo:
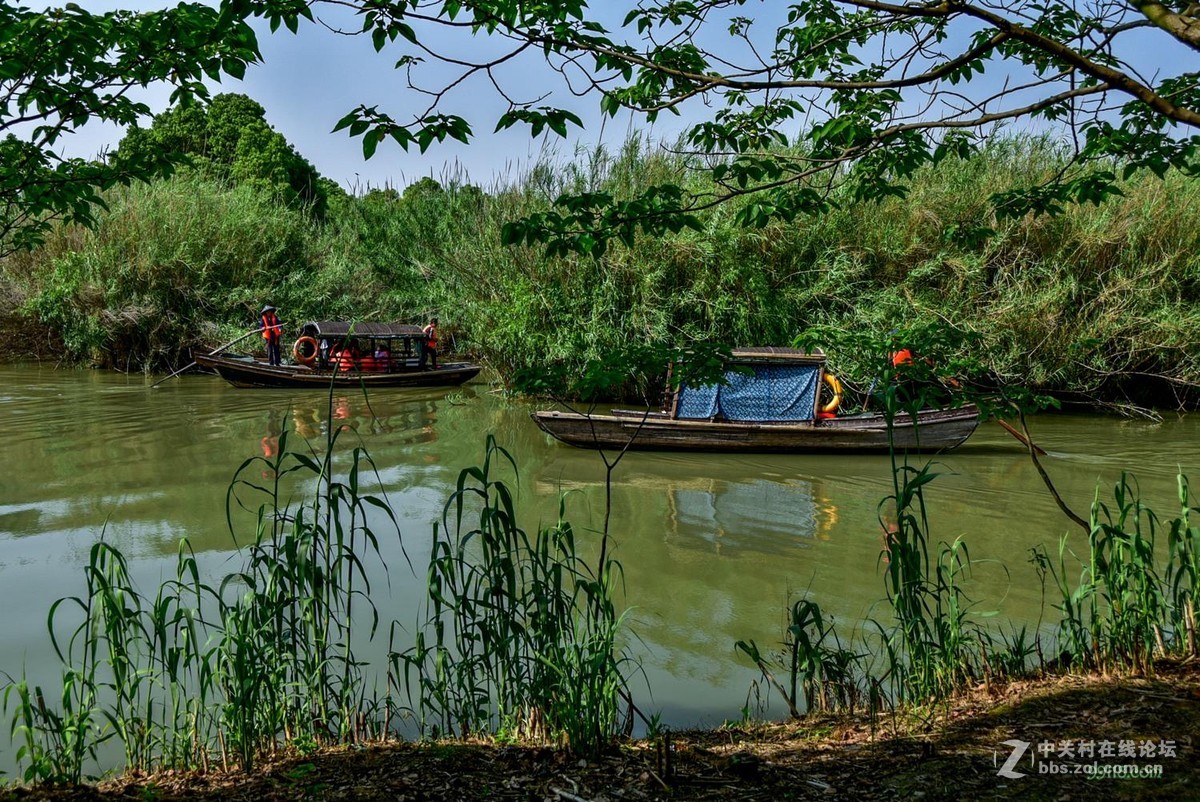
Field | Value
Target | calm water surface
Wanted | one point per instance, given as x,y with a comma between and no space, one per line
712,545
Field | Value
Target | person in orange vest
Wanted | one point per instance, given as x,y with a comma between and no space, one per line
429,344
271,332
911,381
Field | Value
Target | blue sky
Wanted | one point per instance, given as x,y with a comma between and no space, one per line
308,81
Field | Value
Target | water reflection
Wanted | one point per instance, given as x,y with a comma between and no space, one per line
412,420
20,519
759,514
88,450
768,515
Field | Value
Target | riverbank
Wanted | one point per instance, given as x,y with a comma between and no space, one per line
1096,305
949,753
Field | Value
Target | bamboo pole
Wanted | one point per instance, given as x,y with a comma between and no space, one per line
215,350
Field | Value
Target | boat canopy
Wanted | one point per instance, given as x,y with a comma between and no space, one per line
773,385
340,329
767,353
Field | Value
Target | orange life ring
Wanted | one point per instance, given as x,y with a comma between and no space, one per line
836,386
305,351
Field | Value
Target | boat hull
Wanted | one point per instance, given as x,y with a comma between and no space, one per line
936,430
248,372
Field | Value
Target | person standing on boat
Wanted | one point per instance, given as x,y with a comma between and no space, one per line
916,378
271,332
429,344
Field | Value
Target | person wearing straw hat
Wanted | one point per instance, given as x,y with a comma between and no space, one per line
271,332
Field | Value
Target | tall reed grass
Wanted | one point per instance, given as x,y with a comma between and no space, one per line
521,635
1126,600
930,646
226,671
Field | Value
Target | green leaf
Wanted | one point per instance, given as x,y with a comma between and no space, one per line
370,143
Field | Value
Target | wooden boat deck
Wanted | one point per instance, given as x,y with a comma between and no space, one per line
250,372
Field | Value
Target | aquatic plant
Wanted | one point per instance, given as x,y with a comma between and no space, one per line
1130,602
521,632
1063,304
521,637
822,676
232,670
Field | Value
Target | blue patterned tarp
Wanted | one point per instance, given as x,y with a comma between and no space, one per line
773,393
698,403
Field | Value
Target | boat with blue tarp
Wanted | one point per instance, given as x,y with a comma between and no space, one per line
771,400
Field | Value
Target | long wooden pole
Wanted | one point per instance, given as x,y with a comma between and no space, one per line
215,350
1025,440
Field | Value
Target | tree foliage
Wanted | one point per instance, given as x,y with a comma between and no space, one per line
230,135
65,67
797,104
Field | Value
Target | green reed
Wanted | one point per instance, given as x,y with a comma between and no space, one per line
1130,603
1182,576
287,663
520,638
520,634
820,671
136,290
931,644
262,659
131,674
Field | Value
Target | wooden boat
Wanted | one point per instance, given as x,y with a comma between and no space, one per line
344,354
937,430
772,407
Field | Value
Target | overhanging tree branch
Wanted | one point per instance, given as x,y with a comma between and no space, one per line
834,96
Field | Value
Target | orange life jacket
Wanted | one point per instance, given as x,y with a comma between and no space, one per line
271,327
430,332
902,357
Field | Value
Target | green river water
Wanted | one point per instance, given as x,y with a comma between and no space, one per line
712,544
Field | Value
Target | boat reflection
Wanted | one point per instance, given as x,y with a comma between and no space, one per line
759,514
714,551
410,421
770,515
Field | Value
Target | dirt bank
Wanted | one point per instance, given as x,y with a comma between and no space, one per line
954,752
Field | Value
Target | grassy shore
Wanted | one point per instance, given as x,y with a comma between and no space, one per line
949,752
